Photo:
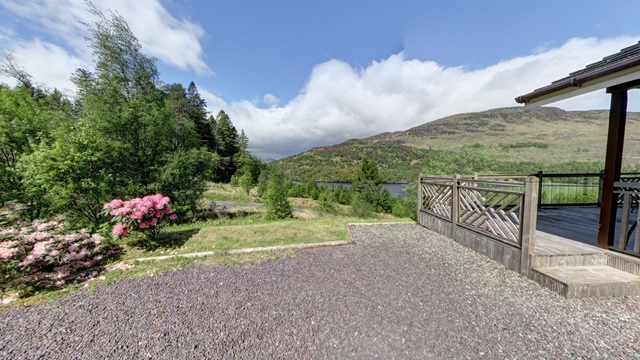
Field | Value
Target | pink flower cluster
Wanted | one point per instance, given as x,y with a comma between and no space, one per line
41,254
144,214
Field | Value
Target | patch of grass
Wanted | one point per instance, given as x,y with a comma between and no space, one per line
238,234
228,192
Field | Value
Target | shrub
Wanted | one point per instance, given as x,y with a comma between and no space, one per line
41,255
361,207
278,206
184,178
146,215
327,203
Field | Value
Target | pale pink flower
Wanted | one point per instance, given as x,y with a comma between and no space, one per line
173,216
143,225
26,261
7,252
119,230
73,256
40,248
137,215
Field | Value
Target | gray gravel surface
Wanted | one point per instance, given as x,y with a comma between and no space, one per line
400,292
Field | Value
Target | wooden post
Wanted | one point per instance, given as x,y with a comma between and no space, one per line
612,165
455,205
420,197
528,225
539,175
624,222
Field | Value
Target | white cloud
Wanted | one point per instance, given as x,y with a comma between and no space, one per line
270,99
173,41
340,102
48,64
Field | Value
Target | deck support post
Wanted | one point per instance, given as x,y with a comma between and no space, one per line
612,166
529,221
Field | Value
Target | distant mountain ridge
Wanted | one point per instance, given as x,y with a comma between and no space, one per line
545,135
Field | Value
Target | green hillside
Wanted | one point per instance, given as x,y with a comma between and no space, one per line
514,140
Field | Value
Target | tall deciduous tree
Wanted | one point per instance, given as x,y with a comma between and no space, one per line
130,135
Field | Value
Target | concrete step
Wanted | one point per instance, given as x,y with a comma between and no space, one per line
564,260
595,281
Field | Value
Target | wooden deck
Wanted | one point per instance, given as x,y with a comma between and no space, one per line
578,224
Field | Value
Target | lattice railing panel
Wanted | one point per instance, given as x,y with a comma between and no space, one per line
629,194
493,211
629,184
436,198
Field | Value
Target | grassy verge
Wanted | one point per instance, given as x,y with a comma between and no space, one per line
203,237
236,228
227,192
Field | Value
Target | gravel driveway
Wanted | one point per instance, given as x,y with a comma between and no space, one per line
401,292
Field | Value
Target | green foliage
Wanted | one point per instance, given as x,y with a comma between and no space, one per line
263,181
226,136
525,144
184,178
127,136
327,202
407,207
246,182
25,123
361,206
275,197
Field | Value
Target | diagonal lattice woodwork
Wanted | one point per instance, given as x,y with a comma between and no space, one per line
629,184
436,198
628,196
494,211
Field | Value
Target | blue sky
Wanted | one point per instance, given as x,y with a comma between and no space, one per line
301,74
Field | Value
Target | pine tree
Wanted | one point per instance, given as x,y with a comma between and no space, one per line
243,144
226,136
197,112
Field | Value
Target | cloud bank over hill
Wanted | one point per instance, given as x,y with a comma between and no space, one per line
340,102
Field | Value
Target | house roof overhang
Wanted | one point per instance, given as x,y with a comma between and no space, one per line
620,68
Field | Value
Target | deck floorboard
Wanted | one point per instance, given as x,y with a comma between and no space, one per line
577,224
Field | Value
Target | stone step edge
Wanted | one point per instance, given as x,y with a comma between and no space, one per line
569,260
578,291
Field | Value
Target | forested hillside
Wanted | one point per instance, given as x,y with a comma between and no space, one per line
506,140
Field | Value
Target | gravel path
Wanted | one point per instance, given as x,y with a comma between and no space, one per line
401,292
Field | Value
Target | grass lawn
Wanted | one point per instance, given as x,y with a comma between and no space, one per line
228,192
210,236
237,228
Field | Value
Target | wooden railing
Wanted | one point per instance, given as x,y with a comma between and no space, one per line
483,211
491,207
629,192
492,210
575,189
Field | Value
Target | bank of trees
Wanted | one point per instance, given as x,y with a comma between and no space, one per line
126,134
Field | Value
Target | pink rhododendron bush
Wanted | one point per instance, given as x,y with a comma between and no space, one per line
42,255
146,215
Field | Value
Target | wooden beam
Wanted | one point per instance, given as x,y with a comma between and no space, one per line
624,86
612,166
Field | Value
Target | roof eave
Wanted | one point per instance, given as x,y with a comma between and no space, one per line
582,84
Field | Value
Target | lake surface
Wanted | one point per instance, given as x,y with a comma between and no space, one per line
393,188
